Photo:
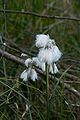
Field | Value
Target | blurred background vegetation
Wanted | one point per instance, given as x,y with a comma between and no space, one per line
21,29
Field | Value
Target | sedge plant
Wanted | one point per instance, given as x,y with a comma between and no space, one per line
46,59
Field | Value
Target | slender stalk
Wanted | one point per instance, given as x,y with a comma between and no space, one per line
62,98
29,100
47,89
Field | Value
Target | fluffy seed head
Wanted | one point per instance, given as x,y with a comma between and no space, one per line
56,53
24,75
45,55
28,62
41,40
33,75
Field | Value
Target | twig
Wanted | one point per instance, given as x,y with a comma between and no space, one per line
21,61
73,82
74,105
12,44
11,57
39,15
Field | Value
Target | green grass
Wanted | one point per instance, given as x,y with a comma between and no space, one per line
21,29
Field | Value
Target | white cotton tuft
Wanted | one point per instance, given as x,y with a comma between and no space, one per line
33,75
51,69
35,61
28,61
51,43
23,54
45,55
4,44
41,40
24,75
30,73
42,66
56,53
39,63
55,69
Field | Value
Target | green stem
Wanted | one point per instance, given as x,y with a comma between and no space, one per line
47,89
62,98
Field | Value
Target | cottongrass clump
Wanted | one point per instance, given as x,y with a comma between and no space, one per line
46,59
48,53
30,72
